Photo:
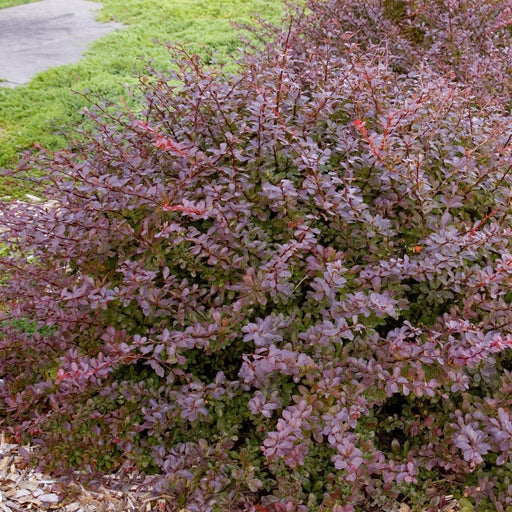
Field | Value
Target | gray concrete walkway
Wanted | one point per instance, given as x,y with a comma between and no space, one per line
43,34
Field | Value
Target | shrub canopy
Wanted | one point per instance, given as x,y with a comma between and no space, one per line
286,288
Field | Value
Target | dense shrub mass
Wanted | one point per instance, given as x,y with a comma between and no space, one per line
286,289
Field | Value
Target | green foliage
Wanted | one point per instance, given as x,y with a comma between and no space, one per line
396,10
12,3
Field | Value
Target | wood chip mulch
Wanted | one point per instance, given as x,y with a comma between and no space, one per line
22,489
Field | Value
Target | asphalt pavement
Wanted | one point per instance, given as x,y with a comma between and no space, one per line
44,34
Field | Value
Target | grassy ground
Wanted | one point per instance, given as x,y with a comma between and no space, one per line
12,3
49,104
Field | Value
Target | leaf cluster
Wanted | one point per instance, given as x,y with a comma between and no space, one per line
286,288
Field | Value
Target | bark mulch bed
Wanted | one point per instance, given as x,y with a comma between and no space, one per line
22,488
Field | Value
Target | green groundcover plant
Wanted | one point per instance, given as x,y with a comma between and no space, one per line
286,288
13,3
49,107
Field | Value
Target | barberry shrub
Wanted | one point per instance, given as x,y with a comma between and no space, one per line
286,288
